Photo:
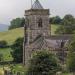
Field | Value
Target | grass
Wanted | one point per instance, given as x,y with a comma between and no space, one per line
11,35
54,28
66,74
1,71
6,54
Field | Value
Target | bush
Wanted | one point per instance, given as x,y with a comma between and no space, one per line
3,44
17,52
43,63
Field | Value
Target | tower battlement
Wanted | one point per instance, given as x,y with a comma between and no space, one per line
37,12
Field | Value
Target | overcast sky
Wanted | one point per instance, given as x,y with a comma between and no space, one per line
10,9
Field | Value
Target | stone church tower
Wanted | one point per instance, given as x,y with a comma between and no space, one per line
36,24
37,34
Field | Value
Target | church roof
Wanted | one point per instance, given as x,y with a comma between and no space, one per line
37,5
60,37
53,42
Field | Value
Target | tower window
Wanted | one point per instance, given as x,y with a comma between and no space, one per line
40,23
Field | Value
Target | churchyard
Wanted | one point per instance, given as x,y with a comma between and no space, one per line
7,58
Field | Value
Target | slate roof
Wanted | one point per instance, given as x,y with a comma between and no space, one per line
37,5
53,42
60,37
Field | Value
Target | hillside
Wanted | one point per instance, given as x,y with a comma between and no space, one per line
11,35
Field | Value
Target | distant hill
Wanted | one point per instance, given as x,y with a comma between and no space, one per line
11,35
3,27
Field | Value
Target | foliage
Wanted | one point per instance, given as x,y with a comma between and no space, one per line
16,23
55,20
17,52
43,63
6,54
3,44
68,25
71,56
11,35
68,20
65,29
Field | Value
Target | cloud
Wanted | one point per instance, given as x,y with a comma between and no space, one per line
10,9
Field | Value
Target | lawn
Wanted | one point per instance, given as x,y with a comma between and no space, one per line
6,54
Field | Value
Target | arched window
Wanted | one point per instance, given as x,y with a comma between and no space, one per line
40,23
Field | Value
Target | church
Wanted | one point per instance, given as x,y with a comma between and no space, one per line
37,34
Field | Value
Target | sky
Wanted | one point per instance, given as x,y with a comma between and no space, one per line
10,9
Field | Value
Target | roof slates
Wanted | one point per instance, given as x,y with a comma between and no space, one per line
37,5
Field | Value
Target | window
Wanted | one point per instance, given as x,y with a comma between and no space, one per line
40,23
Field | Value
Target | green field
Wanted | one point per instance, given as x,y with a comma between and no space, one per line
11,35
54,28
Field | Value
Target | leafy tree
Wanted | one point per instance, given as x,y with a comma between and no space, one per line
65,29
43,63
3,44
68,25
71,56
16,23
55,20
17,52
68,20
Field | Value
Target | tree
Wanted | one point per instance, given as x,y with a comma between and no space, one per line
3,44
65,29
16,23
17,52
71,56
55,20
43,63
68,25
68,20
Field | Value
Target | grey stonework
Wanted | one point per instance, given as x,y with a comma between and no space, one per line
37,35
33,19
32,30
